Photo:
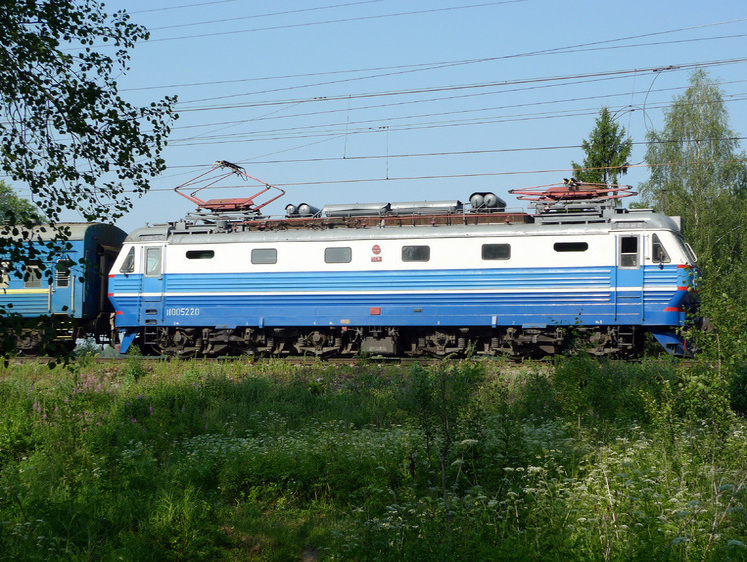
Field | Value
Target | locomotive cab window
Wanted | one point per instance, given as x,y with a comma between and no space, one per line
32,277
496,251
128,265
658,252
152,262
200,254
629,251
571,246
416,253
264,256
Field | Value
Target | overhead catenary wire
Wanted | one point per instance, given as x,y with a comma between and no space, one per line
298,132
466,175
270,117
438,154
169,8
339,20
457,87
428,65
267,15
390,74
477,152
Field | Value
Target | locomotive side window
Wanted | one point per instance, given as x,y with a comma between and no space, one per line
571,246
629,251
496,251
416,253
62,273
338,255
32,277
152,262
200,254
128,265
658,253
264,256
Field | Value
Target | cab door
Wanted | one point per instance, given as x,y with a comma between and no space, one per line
152,284
629,301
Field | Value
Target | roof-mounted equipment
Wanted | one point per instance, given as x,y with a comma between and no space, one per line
573,191
214,178
573,201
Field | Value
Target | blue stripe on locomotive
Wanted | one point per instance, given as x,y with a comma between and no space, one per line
525,297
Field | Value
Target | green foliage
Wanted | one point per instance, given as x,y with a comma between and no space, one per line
66,132
694,161
595,392
697,173
228,460
16,210
607,152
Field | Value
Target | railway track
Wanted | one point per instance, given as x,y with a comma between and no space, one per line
355,361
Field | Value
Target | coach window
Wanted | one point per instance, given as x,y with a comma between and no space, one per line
62,273
4,274
571,246
338,255
629,251
264,256
32,277
416,253
128,265
200,254
152,262
658,253
496,251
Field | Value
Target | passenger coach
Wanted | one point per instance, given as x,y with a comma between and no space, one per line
69,286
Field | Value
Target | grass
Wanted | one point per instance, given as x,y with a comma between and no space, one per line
470,461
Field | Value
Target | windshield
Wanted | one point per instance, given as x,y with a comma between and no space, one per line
689,252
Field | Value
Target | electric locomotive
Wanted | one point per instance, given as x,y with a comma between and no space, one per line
422,278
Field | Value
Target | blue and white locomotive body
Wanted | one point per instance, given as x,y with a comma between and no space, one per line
512,283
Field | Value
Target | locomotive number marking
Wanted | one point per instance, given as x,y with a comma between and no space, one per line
183,311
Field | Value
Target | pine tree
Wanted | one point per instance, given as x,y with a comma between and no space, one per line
607,151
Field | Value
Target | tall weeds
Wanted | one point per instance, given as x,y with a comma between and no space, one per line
471,460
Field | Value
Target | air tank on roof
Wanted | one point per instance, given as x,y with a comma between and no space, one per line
306,210
485,200
301,210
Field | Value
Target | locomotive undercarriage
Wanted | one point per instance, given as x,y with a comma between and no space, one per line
616,341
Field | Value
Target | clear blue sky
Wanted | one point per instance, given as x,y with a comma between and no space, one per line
329,98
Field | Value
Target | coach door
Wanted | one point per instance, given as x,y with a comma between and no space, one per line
151,291
629,301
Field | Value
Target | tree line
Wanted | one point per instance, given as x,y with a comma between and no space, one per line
697,172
